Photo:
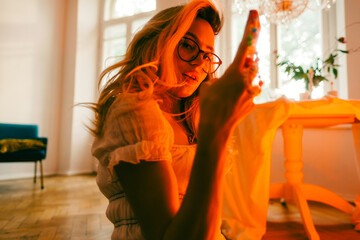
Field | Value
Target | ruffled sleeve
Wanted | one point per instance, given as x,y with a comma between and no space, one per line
135,130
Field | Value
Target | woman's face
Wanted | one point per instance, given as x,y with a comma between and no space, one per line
191,74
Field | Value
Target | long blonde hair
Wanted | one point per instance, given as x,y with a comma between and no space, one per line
149,59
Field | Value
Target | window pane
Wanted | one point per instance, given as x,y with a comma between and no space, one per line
263,46
123,8
138,24
300,43
114,44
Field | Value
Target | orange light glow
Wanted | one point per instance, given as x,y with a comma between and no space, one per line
284,6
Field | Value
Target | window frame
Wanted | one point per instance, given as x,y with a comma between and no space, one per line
328,36
329,23
127,20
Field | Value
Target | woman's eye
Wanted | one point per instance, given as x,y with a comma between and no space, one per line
186,45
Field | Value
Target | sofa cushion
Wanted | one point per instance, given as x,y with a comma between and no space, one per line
14,145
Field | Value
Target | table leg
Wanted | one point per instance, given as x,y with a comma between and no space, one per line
294,190
294,175
303,206
292,135
320,194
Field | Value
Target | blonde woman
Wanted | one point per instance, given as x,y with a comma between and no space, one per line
162,174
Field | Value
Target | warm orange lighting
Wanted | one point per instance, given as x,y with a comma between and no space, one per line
284,6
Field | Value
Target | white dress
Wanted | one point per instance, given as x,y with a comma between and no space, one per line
136,129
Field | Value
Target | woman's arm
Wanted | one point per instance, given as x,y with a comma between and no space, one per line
151,188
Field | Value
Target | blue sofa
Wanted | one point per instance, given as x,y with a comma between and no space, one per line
20,133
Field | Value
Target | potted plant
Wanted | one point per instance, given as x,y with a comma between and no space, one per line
313,75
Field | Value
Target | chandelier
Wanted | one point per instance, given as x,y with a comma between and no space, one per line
317,5
282,11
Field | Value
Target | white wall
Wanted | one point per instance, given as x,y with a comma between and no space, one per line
31,50
47,64
80,77
352,21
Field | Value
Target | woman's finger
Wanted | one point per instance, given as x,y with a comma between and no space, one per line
247,47
254,70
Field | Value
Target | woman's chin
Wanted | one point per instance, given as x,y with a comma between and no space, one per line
182,92
185,94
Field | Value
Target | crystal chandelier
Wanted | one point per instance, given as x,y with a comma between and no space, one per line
282,11
317,5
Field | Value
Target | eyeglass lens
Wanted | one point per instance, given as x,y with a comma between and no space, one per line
189,50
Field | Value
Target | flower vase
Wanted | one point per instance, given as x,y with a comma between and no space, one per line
305,95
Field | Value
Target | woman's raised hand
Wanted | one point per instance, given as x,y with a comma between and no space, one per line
229,99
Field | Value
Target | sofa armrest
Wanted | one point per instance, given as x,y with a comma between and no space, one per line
43,139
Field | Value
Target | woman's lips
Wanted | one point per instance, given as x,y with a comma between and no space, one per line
192,77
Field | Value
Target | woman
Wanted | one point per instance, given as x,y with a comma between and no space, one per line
160,184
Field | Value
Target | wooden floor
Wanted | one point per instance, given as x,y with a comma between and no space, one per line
68,208
72,207
284,222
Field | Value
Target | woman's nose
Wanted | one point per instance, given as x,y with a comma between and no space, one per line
199,60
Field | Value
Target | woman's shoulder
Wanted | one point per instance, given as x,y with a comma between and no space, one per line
134,124
139,112
129,101
138,103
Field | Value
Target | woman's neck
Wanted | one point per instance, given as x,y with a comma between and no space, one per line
172,107
171,104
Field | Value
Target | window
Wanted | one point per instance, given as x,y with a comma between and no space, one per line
114,43
122,8
121,19
300,41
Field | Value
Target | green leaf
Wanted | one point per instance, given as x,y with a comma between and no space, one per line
321,78
335,72
288,69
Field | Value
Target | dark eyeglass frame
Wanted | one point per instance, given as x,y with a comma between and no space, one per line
205,55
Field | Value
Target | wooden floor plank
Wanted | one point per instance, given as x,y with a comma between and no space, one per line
92,224
72,207
47,233
61,211
284,222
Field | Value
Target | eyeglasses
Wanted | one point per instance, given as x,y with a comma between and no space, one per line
188,50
